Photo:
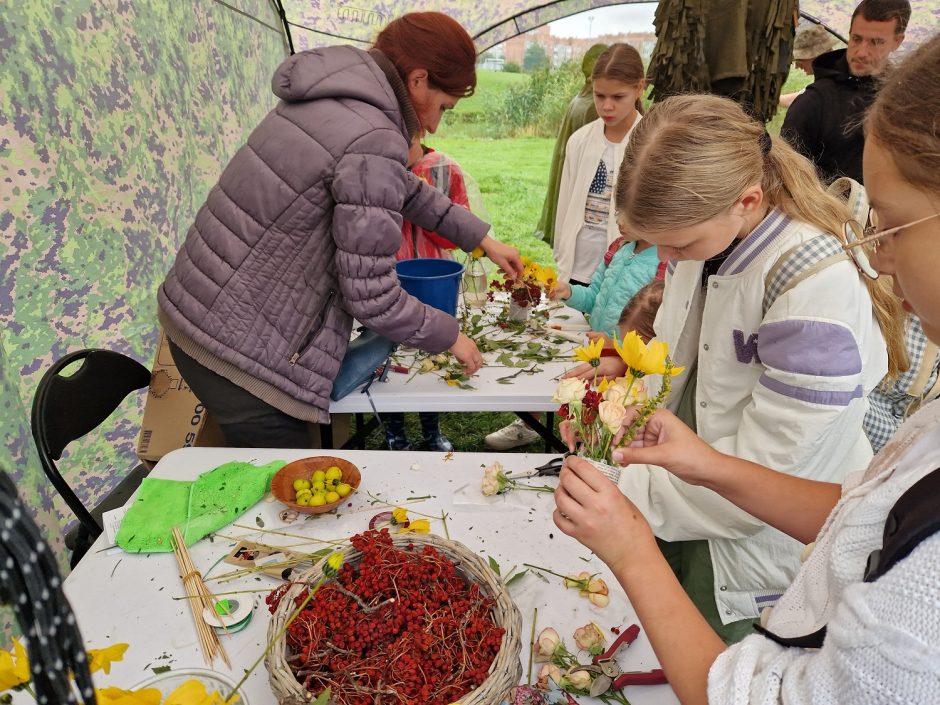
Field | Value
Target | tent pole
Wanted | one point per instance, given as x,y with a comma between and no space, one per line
279,6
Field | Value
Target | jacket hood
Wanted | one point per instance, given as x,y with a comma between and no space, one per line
346,73
834,65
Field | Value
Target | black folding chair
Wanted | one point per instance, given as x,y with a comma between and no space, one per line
66,408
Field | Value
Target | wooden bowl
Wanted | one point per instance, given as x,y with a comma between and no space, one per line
282,484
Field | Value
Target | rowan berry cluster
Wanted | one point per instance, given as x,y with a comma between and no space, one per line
401,626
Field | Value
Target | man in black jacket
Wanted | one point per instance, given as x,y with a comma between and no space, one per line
825,122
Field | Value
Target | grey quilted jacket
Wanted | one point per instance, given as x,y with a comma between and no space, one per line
300,235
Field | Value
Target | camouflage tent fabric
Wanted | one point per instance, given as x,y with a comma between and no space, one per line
115,119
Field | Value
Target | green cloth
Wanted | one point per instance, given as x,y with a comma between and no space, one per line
579,113
691,561
198,508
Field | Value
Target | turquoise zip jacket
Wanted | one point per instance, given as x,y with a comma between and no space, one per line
614,283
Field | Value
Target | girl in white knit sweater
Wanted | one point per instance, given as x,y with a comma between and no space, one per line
882,639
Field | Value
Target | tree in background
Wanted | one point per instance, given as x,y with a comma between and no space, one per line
535,58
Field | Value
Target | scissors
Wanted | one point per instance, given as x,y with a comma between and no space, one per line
550,469
608,673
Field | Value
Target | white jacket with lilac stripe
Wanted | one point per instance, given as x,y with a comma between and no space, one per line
785,388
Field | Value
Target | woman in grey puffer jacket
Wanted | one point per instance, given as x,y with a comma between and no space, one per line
300,234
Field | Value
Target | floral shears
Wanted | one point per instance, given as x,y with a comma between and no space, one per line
608,673
550,469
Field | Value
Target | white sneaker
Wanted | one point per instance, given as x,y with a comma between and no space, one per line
514,435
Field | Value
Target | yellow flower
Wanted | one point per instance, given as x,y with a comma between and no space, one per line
545,276
418,526
192,692
399,515
14,667
590,353
642,358
101,659
603,385
333,563
119,696
477,252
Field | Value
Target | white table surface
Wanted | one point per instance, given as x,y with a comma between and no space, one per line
428,392
119,597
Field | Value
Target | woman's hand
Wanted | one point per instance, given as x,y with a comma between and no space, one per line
561,290
505,256
612,367
593,510
467,354
667,442
568,435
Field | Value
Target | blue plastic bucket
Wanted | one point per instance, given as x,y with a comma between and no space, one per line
435,282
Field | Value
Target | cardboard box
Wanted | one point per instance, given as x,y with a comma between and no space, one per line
173,416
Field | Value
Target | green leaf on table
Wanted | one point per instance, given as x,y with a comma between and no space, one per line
515,576
160,669
493,564
563,317
323,698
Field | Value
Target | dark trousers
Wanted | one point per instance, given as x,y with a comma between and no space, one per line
245,420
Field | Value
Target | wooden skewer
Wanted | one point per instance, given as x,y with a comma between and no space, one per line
201,599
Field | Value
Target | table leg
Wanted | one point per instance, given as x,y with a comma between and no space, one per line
363,429
326,436
546,433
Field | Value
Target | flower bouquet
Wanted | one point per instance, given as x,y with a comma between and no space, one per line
526,291
596,409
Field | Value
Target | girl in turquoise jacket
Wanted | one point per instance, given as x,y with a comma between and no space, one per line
628,266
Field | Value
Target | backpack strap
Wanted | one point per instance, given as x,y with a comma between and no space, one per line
799,263
912,519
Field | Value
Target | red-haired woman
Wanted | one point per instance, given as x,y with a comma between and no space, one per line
299,236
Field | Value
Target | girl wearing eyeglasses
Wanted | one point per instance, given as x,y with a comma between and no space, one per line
852,628
781,335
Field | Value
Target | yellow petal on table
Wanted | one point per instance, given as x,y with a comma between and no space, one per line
418,526
400,515
101,659
14,667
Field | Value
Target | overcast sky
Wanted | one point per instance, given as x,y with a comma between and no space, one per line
607,20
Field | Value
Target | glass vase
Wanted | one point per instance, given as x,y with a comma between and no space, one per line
474,284
516,312
169,681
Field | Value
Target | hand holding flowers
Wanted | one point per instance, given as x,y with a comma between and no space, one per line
526,289
596,410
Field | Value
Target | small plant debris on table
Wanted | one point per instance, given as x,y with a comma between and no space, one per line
401,627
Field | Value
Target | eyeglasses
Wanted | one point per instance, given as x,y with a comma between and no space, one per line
862,243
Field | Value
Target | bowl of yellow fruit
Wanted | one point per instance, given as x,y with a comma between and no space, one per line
315,485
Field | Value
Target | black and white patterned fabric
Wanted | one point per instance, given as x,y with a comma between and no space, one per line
31,585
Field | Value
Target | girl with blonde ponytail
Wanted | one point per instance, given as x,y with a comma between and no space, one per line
781,335
861,622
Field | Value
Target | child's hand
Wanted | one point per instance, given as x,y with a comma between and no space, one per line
467,354
594,335
561,290
568,435
593,510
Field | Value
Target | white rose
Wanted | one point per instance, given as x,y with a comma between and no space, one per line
616,394
569,391
611,415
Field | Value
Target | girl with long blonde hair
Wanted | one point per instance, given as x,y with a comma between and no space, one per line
781,335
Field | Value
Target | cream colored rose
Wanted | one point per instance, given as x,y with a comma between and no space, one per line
569,391
580,680
616,394
611,414
548,671
548,640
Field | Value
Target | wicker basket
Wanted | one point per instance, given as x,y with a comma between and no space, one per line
505,672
